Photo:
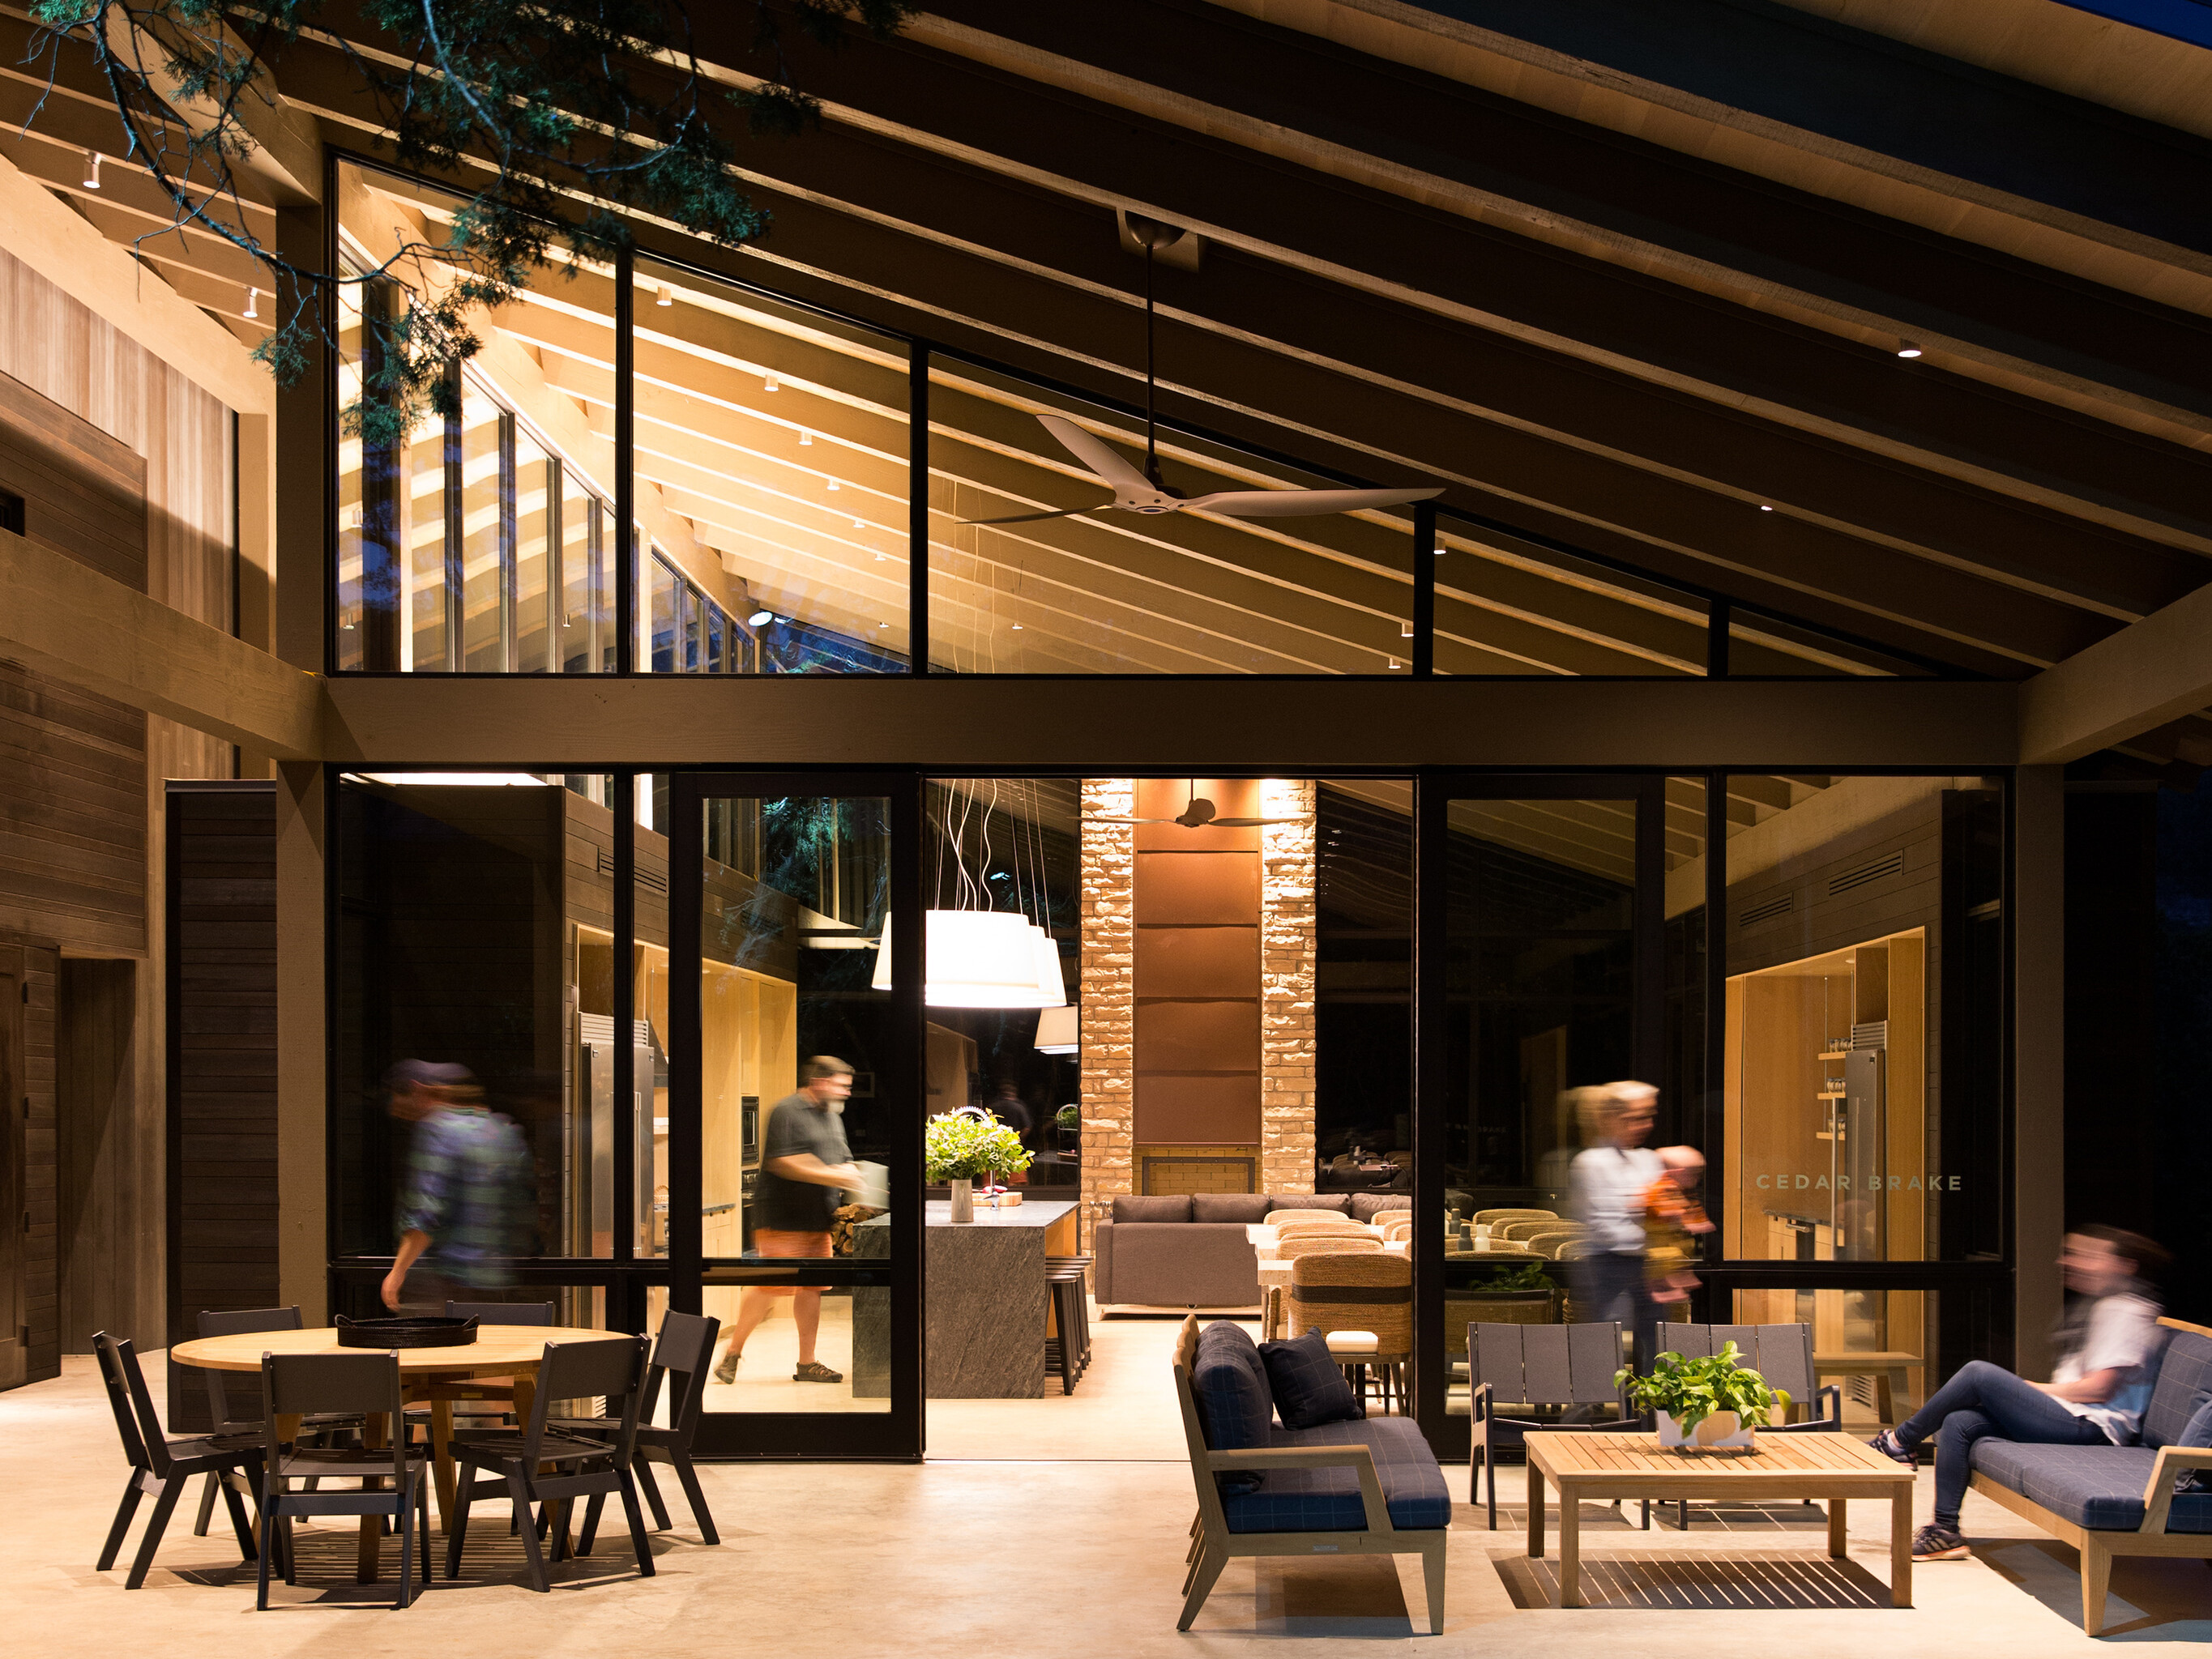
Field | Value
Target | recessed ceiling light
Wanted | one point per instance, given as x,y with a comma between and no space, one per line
1017,627
1763,508
1906,348
760,619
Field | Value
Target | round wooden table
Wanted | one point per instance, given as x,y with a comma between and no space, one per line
425,1374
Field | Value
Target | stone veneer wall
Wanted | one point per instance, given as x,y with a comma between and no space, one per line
1287,950
1108,970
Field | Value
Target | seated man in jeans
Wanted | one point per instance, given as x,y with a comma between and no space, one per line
2107,1346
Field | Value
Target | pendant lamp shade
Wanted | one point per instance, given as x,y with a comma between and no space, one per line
1052,989
1058,1032
976,959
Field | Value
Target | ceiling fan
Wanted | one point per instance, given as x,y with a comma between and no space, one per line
1146,491
1199,815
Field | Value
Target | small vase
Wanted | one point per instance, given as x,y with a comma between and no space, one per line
961,1191
1716,1431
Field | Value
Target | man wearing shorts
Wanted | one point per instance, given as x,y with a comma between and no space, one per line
805,1167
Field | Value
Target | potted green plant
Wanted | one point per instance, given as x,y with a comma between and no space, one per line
961,1145
1703,1405
1522,1295
1069,1122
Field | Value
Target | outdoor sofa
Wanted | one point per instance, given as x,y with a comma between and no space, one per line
1187,1251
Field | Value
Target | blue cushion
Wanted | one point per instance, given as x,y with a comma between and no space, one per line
2100,1487
1309,1386
2184,1386
1229,1385
1327,1500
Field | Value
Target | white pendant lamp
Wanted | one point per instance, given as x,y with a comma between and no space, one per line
976,959
1058,1032
1052,989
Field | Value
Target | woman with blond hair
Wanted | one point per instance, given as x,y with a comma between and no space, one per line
1606,1186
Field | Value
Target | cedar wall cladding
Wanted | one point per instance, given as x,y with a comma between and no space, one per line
120,462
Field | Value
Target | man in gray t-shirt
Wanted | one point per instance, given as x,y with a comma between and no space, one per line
805,1167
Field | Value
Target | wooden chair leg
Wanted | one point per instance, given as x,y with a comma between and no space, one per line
2096,1581
1202,1578
526,1527
457,1521
651,1489
693,1494
206,1516
156,1523
239,1523
117,1532
1432,1581
638,1539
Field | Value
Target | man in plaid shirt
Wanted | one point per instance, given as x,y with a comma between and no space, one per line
465,1205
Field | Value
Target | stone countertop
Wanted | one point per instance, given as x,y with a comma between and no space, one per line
1025,1214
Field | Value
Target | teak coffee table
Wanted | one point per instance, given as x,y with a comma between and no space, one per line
1608,1465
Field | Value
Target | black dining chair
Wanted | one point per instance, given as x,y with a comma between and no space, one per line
681,1356
305,1385
163,1467
541,1466
326,1428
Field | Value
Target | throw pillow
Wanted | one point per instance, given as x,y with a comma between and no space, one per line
1248,1208
1229,1385
1310,1388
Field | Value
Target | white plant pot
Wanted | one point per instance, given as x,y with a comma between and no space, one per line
961,1192
1720,1431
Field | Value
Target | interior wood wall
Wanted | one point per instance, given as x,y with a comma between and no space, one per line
221,1145
93,419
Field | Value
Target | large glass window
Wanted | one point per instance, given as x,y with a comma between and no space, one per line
1863,1017
1028,575
772,474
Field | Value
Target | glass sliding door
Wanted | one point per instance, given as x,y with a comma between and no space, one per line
1541,970
791,1056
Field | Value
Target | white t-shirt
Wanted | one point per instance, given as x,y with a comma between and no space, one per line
2123,1334
1605,1186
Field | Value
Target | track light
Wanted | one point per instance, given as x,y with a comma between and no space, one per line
1394,663
806,438
1404,630
770,385
857,524
833,484
92,169
665,297
253,302
1906,348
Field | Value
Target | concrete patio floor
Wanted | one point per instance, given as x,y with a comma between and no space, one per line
1064,1557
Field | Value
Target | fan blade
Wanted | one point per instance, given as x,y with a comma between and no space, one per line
1302,503
1133,820
1094,454
1031,518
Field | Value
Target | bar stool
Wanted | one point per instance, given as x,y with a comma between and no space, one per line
1067,1352
1081,1266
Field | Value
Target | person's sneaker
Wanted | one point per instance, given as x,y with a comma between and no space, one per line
1887,1444
815,1371
727,1371
1933,1543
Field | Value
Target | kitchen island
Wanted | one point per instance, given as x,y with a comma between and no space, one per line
985,1301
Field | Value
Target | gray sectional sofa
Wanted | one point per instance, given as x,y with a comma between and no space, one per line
1190,1250
2119,1500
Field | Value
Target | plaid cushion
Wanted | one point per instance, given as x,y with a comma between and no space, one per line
1309,1386
1327,1500
2184,1383
1229,1385
2100,1487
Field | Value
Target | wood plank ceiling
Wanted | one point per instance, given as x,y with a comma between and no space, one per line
1630,279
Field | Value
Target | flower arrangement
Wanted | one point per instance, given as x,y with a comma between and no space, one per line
1690,1390
961,1145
